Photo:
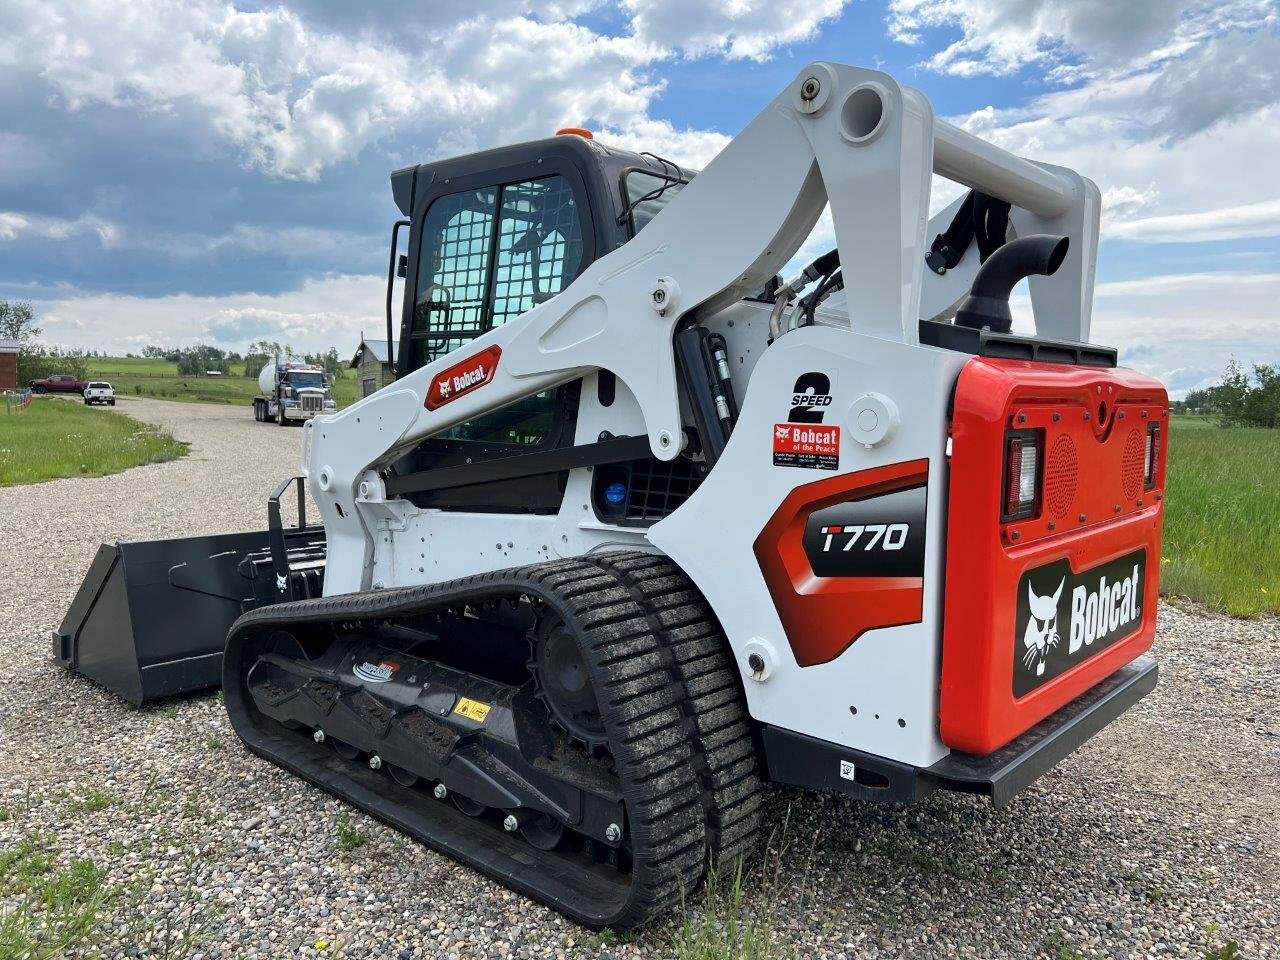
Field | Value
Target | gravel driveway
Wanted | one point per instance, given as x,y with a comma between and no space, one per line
1159,838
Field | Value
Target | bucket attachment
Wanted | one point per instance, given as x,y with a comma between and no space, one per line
151,618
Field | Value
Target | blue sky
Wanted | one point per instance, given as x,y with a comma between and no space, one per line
217,172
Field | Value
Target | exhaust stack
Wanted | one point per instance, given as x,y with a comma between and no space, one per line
988,302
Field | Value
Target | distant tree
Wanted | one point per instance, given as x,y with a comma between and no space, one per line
18,322
1247,399
35,361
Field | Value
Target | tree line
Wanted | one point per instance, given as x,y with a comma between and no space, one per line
36,361
198,360
1244,398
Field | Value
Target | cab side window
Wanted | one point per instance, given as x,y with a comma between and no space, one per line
486,256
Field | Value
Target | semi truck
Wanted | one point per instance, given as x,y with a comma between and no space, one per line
289,392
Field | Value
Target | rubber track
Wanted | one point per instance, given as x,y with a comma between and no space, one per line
725,751
641,700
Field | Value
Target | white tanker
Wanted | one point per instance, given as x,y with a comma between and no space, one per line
291,391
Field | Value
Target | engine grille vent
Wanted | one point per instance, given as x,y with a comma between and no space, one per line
312,402
658,488
1060,477
1132,470
653,489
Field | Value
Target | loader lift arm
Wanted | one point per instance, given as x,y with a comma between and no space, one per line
848,137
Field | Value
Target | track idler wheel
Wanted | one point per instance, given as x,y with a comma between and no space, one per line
563,682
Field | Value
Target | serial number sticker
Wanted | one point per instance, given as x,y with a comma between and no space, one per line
472,709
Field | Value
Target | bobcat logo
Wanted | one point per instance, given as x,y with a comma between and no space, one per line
1041,634
781,432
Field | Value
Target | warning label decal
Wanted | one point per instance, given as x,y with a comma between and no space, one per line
472,709
813,446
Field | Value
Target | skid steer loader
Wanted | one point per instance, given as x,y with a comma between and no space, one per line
642,524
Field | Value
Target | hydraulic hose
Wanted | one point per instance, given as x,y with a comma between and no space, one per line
988,302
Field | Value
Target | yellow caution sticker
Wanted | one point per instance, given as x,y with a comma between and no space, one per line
472,709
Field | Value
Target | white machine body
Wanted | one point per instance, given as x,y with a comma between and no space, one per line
868,148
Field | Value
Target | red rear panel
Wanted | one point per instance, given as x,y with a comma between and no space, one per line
1040,609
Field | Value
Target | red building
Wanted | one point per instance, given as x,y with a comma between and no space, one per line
8,364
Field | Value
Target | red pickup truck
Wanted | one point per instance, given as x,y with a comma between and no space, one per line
58,383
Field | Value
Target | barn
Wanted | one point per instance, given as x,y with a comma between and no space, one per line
374,365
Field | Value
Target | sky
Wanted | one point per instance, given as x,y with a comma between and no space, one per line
217,172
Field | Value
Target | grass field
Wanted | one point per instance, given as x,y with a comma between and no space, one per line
147,377
58,437
1222,517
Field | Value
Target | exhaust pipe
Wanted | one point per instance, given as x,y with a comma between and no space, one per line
988,302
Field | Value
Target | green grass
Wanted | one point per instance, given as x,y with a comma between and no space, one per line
1222,517
48,908
148,377
730,924
58,437
349,837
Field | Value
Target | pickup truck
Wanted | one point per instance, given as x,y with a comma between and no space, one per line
59,383
99,391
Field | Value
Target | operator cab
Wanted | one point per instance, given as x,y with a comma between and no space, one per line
492,234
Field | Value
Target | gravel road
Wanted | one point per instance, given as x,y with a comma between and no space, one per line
1159,838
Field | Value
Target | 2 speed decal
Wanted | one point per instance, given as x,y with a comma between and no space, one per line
810,398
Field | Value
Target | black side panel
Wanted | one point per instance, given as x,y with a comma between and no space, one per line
151,618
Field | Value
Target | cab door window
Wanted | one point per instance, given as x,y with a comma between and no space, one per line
487,256
454,270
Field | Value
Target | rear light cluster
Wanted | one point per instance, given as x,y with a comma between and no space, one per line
1024,471
1151,462
1023,462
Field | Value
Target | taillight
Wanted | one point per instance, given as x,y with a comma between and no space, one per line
1151,462
1021,475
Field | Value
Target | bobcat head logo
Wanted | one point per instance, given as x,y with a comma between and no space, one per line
1041,634
781,432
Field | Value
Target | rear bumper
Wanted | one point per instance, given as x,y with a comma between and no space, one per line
804,761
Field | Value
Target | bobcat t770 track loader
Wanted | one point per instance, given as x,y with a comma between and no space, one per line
641,525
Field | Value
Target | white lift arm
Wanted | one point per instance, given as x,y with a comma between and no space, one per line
847,136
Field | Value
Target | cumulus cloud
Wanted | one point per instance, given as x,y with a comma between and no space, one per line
746,29
292,98
324,312
1002,36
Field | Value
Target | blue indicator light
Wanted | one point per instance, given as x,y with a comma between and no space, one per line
615,493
